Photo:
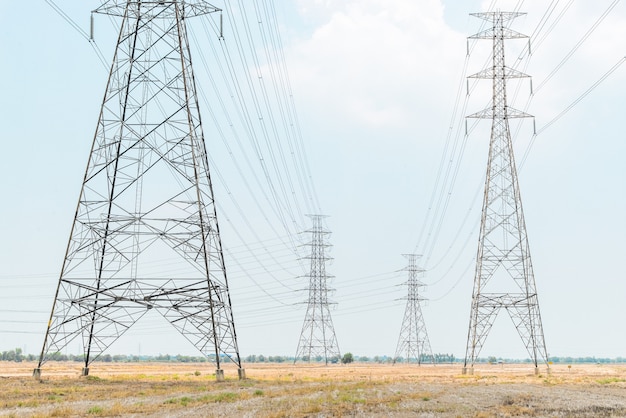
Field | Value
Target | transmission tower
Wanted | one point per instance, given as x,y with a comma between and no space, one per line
318,339
504,275
413,341
145,235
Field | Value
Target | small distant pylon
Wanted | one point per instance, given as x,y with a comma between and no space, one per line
318,340
504,275
146,198
413,343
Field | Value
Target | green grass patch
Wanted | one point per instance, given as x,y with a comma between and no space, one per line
220,397
210,398
610,380
95,410
184,401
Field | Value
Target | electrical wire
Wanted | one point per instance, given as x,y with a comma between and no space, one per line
570,106
80,31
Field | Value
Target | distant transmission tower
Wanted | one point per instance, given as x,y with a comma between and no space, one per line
504,275
413,342
145,234
318,340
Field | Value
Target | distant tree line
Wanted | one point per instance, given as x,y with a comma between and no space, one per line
346,359
18,356
556,360
567,360
260,358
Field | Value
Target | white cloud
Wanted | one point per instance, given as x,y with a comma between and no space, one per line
375,61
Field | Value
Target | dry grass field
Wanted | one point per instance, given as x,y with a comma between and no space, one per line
285,390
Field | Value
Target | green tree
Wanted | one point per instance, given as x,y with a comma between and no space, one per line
347,358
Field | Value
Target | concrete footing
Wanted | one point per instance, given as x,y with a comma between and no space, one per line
219,375
242,374
85,371
467,370
37,373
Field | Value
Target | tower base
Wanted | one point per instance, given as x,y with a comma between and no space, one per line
37,373
85,371
242,374
219,375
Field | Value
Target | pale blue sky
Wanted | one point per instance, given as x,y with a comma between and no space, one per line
374,83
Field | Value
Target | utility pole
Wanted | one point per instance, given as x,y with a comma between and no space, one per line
145,235
413,342
318,340
504,277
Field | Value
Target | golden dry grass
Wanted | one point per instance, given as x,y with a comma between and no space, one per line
302,390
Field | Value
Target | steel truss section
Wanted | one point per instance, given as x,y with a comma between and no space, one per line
504,277
318,340
145,234
413,341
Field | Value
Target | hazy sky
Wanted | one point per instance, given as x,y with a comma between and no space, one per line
375,85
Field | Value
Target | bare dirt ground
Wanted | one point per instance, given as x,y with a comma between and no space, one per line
285,390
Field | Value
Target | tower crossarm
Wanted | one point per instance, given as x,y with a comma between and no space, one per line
489,73
508,113
187,8
494,16
492,34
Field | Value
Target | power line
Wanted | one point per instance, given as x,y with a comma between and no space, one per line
578,44
80,31
570,106
583,95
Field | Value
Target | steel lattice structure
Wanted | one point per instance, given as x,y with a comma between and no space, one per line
413,342
145,234
504,276
318,339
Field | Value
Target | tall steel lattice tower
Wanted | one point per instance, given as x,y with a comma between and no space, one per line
413,342
145,234
504,274
318,339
